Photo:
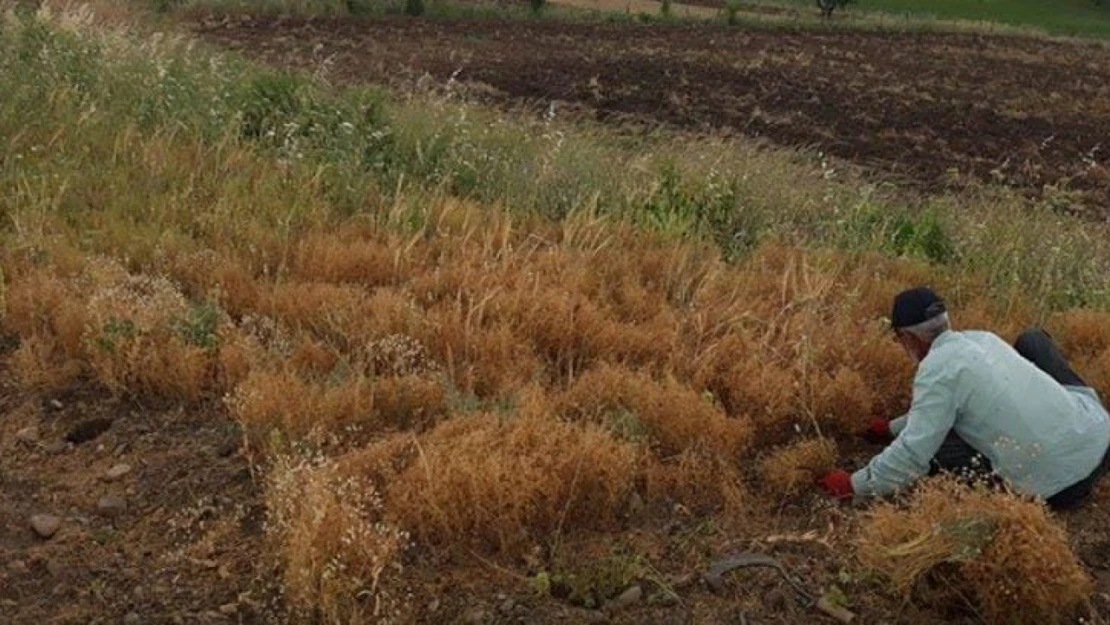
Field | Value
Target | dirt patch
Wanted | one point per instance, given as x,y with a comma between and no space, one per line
932,109
184,549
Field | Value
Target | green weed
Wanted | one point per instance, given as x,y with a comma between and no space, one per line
201,326
592,583
114,331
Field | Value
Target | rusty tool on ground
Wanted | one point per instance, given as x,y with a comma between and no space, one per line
714,577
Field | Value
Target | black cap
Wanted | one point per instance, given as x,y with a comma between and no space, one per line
915,306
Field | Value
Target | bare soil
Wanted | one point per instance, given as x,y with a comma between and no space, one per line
185,550
930,109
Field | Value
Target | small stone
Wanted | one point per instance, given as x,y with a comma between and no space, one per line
28,435
664,598
474,616
229,609
433,605
45,525
131,619
117,472
138,592
56,405
111,505
507,606
679,582
627,598
635,504
55,447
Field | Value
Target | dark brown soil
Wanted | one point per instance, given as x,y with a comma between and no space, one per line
927,108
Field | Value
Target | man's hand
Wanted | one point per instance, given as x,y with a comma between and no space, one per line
838,484
878,431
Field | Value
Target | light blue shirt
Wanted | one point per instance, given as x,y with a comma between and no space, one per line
1039,435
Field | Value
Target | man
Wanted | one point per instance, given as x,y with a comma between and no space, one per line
982,406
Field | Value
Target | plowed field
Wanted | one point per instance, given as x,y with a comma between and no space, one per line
928,108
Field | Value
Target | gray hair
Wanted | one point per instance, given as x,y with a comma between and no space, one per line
930,329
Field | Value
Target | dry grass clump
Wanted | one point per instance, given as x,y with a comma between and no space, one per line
1082,333
767,391
133,333
570,331
40,364
330,312
500,482
671,416
300,408
217,276
45,311
1005,553
842,399
41,303
324,410
408,402
1084,337
703,483
326,257
135,340
484,360
791,469
341,560
314,357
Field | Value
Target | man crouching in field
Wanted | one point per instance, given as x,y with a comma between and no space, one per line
983,407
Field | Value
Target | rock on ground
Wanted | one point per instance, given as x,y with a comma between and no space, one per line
45,525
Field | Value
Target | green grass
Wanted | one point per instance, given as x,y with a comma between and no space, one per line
127,145
1059,17
439,9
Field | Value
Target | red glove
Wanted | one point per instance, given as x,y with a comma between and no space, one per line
879,431
838,483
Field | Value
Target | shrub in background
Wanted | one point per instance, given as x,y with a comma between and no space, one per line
732,11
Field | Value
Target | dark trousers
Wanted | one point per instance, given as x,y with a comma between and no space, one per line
957,456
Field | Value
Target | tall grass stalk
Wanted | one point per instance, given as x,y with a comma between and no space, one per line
131,141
